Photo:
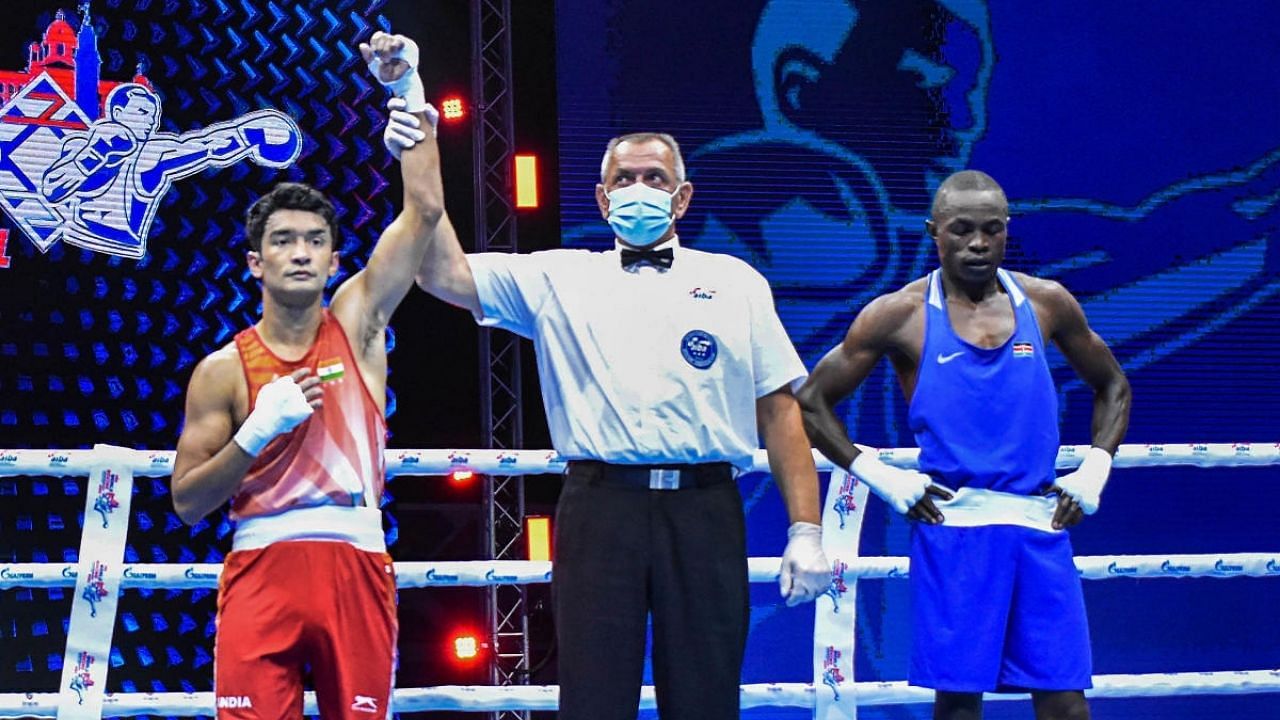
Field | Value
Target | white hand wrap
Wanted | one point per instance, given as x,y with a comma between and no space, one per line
409,85
403,129
805,572
1085,484
900,488
280,407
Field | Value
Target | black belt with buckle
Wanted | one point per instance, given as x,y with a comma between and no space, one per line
651,477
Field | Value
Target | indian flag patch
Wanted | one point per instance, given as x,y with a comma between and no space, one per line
1023,349
330,370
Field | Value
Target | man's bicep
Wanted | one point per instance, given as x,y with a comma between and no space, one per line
1083,348
843,368
445,272
772,406
208,421
372,294
1090,357
846,365
510,288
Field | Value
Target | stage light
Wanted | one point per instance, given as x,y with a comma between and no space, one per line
465,647
526,181
537,534
461,476
451,109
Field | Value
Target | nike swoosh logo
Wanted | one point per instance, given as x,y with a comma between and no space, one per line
944,359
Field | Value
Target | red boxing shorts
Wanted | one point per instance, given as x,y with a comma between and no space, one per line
292,606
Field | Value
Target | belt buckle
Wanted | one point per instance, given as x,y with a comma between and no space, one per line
660,479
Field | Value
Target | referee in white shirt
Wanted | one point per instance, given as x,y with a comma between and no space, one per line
661,369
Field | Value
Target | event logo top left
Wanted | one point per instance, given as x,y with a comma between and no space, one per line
82,159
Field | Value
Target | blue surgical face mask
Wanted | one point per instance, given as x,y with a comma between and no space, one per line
640,214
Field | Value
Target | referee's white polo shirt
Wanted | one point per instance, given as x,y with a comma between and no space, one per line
643,365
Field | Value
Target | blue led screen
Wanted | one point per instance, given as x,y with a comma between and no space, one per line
1137,143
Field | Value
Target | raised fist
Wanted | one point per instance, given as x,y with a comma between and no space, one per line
273,138
393,60
390,57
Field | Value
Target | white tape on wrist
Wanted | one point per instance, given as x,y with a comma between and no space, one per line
407,86
415,96
1097,460
1085,484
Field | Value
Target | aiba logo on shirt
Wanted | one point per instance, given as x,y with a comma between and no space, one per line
699,349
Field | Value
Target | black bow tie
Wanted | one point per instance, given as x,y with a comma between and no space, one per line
657,258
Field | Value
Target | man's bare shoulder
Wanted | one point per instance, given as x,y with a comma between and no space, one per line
1046,293
219,370
888,320
901,304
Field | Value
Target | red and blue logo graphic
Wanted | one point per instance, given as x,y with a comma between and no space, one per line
105,504
95,588
845,504
83,161
831,675
81,680
838,588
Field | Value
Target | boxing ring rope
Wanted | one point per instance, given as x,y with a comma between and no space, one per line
546,697
481,573
158,463
761,570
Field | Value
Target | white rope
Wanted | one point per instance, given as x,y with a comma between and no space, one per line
482,573
472,698
157,463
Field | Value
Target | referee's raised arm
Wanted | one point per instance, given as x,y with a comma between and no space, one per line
445,272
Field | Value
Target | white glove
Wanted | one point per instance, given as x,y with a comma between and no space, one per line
402,131
1085,484
902,489
805,573
280,407
408,85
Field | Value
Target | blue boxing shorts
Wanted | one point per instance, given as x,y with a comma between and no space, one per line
997,608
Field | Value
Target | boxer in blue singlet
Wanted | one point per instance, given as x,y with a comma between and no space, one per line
996,598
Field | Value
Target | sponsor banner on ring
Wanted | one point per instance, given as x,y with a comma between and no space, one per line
98,576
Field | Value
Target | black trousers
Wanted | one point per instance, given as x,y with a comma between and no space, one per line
621,553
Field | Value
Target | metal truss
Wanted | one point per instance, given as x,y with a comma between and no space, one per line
500,366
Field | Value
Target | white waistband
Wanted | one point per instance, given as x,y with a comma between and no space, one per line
972,507
360,526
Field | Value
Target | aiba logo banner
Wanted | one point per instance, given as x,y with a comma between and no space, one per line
84,161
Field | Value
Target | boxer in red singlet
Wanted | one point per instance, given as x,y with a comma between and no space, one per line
287,422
